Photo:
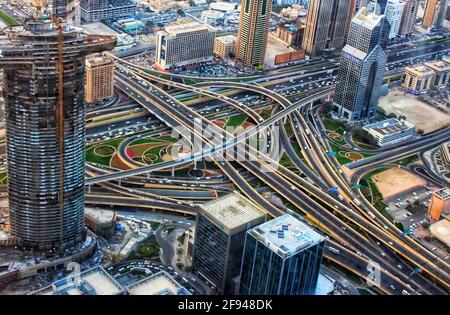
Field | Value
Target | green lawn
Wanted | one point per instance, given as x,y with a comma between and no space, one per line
3,178
447,175
92,157
147,250
332,125
8,19
236,120
408,160
154,139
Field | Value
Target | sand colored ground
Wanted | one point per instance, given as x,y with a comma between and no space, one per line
422,115
395,181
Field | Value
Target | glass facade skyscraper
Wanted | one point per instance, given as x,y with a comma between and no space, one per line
281,257
219,239
361,68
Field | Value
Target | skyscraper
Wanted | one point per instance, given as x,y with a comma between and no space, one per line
219,239
361,68
99,78
326,26
96,10
442,13
393,15
408,21
253,29
281,257
435,13
429,13
45,131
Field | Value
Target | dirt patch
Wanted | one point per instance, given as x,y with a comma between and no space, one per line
395,181
117,162
410,106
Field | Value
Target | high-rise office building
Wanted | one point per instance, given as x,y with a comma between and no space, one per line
435,13
326,26
429,13
219,239
393,16
99,78
377,6
361,69
184,42
97,10
409,15
59,7
281,257
45,131
441,13
253,31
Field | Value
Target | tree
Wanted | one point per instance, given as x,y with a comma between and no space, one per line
392,115
420,131
327,108
402,117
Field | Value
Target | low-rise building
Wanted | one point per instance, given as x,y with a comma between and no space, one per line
441,231
99,78
95,281
94,11
446,59
418,79
184,42
440,202
160,283
212,17
224,45
390,131
101,222
441,72
291,34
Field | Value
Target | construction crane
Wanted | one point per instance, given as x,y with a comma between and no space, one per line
58,23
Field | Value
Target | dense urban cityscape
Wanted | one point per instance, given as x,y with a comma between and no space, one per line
235,147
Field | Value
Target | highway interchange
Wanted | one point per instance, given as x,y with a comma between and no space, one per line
357,233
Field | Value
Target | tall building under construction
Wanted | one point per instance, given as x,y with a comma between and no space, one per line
44,71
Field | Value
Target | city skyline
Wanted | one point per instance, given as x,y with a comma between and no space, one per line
221,149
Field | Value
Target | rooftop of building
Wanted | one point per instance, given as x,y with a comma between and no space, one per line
232,210
223,6
286,235
443,193
95,281
441,230
226,39
100,215
213,14
97,60
160,283
291,26
389,126
438,65
367,19
186,26
419,70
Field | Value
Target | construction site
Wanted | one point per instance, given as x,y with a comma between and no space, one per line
43,64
